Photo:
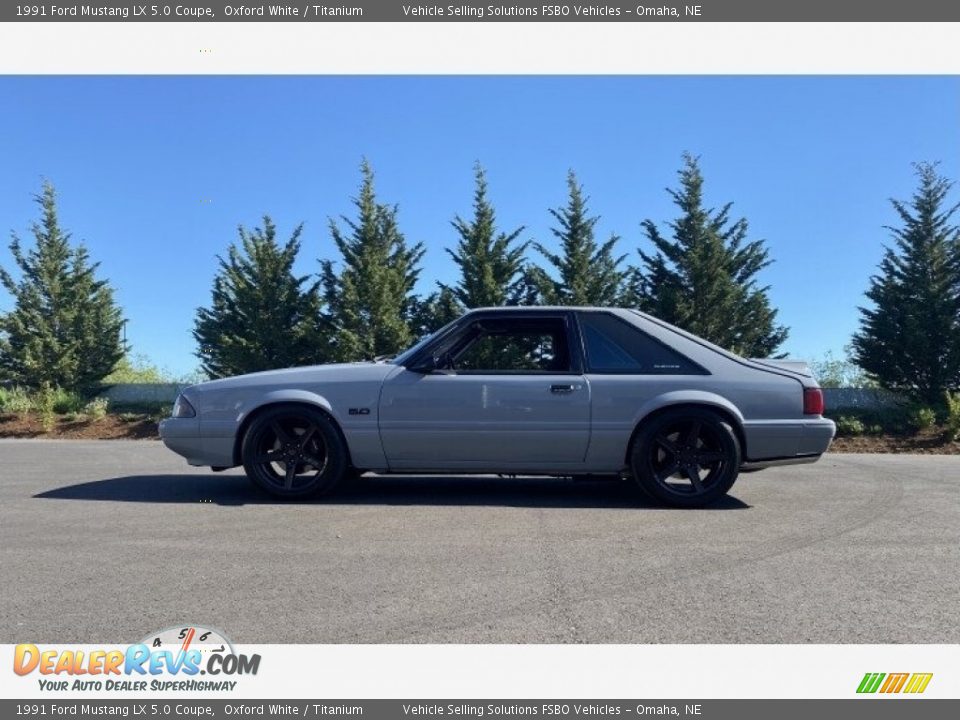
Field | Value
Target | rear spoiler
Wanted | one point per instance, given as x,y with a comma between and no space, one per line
797,367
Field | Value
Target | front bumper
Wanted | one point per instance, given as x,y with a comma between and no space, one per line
182,435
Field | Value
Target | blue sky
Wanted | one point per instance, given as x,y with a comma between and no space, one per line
155,173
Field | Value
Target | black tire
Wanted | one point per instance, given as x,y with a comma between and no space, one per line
697,445
294,451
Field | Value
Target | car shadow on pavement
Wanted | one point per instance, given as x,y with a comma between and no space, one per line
412,490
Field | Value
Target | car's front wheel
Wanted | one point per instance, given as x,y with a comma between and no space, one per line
688,457
294,451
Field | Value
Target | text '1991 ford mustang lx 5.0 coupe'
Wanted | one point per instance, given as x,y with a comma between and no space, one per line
540,391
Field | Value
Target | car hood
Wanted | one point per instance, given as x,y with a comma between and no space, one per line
311,374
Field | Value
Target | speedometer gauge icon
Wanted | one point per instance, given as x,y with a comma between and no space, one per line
181,638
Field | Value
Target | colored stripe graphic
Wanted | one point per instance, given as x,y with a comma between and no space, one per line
894,682
918,682
870,682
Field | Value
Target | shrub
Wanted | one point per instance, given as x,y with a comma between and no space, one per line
847,425
45,400
922,418
137,369
16,400
97,408
64,402
952,420
840,372
894,420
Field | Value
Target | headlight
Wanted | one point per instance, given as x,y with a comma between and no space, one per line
182,409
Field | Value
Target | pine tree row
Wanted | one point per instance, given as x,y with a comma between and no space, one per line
699,271
702,275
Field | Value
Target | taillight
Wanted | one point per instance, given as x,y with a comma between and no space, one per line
812,401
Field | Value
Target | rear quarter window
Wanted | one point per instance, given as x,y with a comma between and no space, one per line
614,346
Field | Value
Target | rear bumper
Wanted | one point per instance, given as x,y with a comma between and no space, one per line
817,436
787,441
777,462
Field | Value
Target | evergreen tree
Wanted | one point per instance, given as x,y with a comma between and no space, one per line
64,329
909,340
490,262
262,315
434,312
371,304
704,277
587,271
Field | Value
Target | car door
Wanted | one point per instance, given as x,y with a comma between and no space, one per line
502,391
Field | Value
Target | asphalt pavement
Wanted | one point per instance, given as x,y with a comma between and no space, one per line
106,541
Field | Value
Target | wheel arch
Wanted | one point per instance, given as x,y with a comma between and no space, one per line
700,400
295,398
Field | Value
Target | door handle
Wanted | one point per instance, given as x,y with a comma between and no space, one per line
562,389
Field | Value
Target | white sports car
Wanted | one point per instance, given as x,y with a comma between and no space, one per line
534,390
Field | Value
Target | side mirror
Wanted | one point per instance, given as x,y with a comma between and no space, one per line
426,365
429,364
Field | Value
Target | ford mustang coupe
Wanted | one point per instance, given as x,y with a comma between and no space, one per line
537,390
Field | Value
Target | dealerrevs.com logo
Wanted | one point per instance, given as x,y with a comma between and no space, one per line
892,683
170,660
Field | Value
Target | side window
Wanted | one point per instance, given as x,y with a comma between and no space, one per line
515,345
615,346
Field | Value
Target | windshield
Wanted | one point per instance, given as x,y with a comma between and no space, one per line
410,352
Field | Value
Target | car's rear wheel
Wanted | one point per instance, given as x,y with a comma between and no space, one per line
294,451
689,457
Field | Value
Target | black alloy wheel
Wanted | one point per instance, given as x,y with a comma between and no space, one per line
294,451
689,457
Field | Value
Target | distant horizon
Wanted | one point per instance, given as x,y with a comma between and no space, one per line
154,174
